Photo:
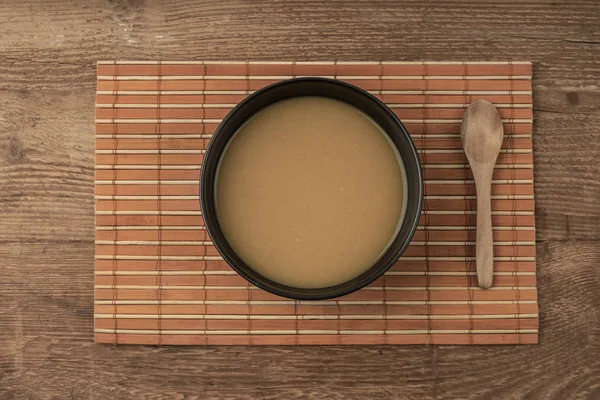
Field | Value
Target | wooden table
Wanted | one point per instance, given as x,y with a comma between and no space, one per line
48,53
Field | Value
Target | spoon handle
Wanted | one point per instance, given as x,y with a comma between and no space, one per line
485,242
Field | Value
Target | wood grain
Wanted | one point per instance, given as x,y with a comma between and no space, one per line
47,341
47,70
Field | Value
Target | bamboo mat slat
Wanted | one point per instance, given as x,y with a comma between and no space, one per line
160,281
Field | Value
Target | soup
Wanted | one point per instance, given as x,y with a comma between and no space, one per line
310,192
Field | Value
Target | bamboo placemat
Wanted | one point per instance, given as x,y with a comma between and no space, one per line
158,279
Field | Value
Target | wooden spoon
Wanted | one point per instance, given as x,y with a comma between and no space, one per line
481,135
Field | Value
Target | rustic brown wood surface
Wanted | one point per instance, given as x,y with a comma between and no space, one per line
48,53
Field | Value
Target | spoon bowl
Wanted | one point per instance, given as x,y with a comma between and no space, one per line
482,132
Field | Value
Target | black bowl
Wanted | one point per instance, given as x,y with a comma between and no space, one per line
334,89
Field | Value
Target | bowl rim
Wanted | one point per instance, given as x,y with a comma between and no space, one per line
207,180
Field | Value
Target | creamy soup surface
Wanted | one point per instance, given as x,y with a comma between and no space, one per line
310,192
